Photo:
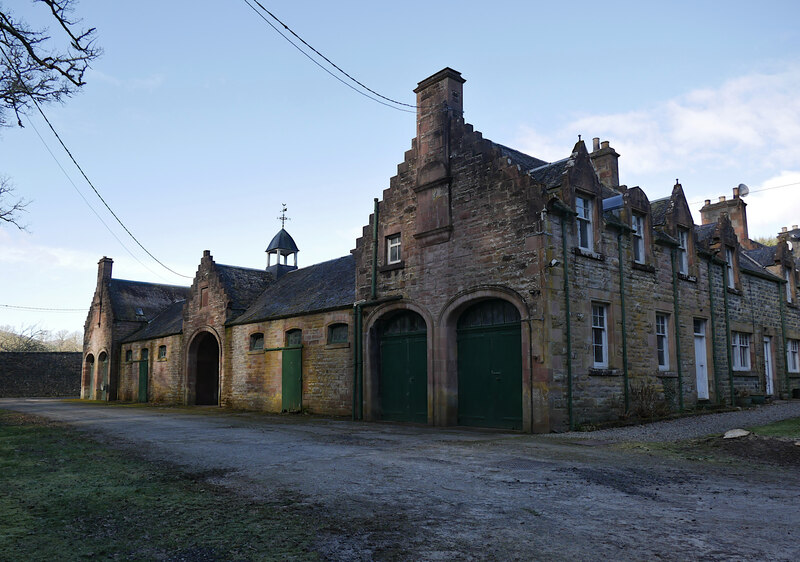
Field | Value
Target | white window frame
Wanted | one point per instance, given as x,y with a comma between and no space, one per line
599,335
787,273
683,251
638,223
729,257
662,341
793,356
585,224
394,249
740,351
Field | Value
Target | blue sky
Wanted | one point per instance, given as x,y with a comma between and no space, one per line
199,121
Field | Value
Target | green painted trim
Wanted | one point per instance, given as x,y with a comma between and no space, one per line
624,325
283,348
728,332
565,264
676,304
711,306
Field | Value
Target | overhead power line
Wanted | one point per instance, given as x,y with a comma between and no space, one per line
754,191
40,309
80,169
329,61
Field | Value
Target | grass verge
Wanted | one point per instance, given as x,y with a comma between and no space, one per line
785,428
66,497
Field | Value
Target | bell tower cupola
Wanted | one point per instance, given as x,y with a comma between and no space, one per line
282,247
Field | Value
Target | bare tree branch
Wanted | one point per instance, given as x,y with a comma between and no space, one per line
34,67
10,209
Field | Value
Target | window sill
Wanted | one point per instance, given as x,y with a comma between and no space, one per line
792,305
392,266
600,372
344,345
643,267
667,374
255,351
734,291
161,359
748,372
689,278
589,254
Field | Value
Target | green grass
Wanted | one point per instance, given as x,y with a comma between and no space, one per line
66,497
785,428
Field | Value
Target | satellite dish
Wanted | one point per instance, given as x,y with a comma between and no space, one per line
743,190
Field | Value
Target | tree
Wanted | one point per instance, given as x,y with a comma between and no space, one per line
10,209
27,338
36,68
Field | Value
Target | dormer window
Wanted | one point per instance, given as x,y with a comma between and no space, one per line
683,251
729,257
583,206
638,238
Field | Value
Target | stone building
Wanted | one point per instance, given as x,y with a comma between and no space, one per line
489,288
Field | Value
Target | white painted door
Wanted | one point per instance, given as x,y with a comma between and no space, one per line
701,359
768,365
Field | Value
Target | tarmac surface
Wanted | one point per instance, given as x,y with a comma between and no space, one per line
397,492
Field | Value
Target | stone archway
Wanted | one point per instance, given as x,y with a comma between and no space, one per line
203,370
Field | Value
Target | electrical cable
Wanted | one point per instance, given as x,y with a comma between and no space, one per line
754,191
36,308
309,57
28,119
74,161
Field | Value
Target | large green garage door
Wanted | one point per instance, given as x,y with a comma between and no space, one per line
490,366
404,369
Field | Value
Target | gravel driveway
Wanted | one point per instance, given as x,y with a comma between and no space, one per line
389,492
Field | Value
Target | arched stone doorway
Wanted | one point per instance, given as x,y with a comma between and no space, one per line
403,377
204,370
88,377
490,365
102,375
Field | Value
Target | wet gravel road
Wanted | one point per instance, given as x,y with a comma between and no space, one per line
396,492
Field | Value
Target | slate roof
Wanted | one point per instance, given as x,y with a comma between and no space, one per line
748,263
705,232
550,174
243,284
282,241
129,297
658,210
523,160
167,323
323,286
762,255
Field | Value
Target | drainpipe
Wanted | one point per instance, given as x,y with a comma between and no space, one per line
713,332
569,322
782,305
374,291
624,323
677,328
728,331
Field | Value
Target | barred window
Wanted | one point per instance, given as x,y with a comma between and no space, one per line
162,351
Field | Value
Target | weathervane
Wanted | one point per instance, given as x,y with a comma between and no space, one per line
283,218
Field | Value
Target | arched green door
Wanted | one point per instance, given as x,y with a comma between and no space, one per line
143,368
403,383
102,376
490,366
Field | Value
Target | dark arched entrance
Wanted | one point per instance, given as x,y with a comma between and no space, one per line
204,358
490,365
88,374
403,383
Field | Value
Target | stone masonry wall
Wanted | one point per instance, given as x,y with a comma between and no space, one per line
40,374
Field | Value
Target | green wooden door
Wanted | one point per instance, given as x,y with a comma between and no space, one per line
143,364
490,366
404,377
292,373
103,376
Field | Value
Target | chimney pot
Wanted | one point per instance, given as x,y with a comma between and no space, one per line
206,253
794,227
735,192
604,144
707,202
595,144
784,229
721,198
